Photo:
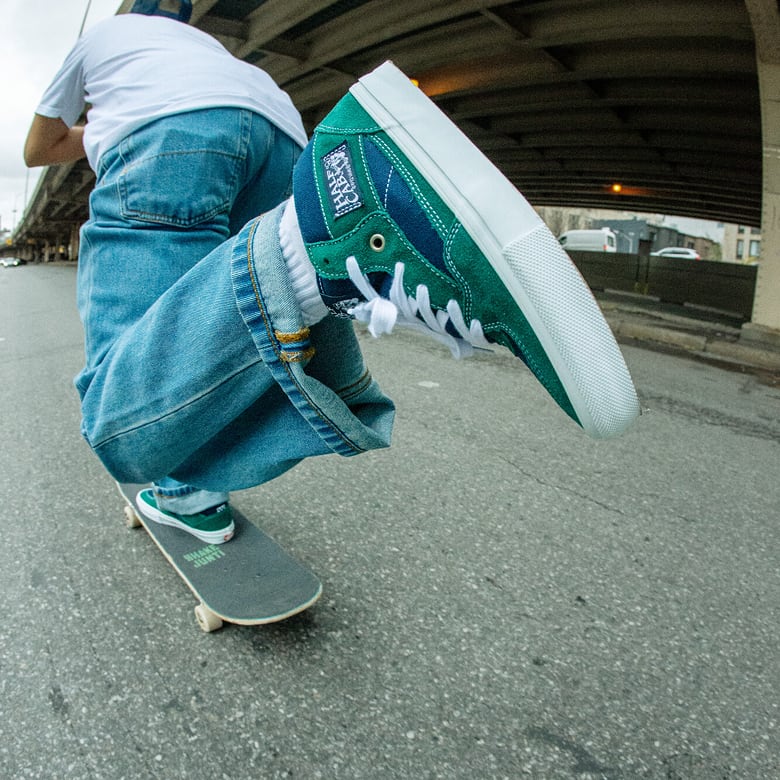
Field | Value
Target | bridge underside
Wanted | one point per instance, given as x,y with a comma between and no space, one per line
566,97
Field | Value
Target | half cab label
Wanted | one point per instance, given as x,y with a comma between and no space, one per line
343,189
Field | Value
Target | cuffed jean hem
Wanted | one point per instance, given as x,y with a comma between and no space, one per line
319,368
182,499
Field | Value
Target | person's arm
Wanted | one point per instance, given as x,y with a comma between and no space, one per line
51,141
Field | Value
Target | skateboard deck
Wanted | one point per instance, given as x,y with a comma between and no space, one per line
249,580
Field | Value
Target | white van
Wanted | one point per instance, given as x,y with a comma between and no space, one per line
602,240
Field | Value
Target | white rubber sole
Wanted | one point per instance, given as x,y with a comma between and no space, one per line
157,516
537,272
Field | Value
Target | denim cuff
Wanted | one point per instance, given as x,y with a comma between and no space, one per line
190,503
175,496
321,368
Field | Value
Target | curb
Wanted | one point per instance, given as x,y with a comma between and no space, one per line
702,340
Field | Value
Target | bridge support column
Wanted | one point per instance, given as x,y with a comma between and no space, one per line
765,18
73,244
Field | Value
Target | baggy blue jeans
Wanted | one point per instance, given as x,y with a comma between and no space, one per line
200,375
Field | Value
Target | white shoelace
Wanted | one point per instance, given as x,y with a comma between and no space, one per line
383,314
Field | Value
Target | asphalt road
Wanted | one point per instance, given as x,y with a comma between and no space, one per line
503,596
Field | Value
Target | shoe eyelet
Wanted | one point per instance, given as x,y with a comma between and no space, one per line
377,242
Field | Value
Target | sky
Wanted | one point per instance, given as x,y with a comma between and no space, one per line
37,36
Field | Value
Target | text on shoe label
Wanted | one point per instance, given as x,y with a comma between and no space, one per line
343,189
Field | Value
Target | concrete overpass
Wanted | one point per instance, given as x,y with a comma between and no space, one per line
677,101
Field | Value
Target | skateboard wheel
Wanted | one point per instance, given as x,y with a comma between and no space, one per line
207,620
131,518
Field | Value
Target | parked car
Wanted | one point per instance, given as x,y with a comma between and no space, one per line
10,262
603,240
679,252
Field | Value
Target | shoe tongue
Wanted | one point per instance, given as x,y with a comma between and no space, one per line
340,295
382,283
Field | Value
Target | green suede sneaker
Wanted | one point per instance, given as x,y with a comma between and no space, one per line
214,526
407,223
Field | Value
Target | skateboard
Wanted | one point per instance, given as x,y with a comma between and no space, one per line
250,580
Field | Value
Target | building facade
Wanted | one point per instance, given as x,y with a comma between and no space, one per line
741,244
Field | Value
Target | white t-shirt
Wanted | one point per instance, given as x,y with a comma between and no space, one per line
132,69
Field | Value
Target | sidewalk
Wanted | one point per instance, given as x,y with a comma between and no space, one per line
713,337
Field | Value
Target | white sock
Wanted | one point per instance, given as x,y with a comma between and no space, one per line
302,275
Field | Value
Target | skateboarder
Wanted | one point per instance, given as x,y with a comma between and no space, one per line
188,144
219,347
